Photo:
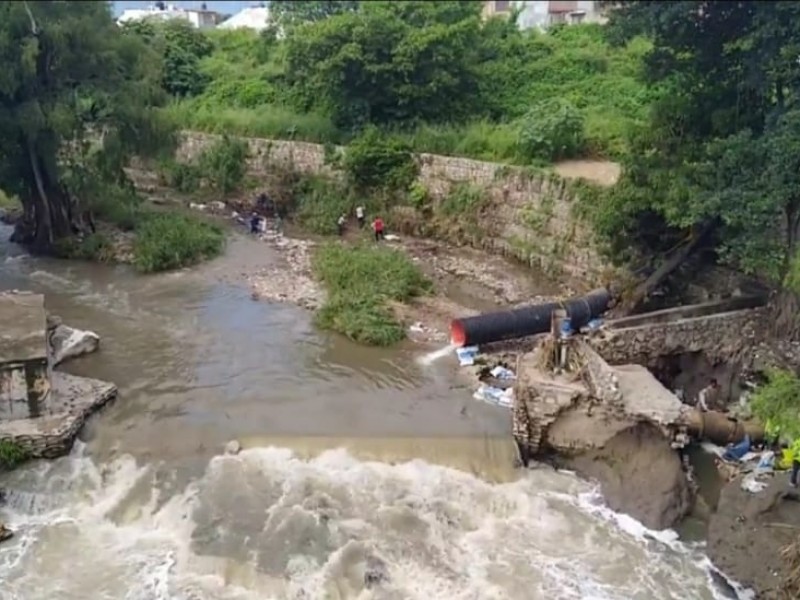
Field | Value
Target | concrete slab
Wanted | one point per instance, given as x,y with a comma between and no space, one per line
646,396
23,327
72,400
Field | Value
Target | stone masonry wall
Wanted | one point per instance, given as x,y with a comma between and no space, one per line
530,219
721,337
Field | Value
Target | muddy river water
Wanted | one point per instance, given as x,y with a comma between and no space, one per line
363,474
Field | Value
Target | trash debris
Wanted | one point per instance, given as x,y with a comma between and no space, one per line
417,328
766,463
466,356
594,324
500,372
495,396
737,452
751,484
390,237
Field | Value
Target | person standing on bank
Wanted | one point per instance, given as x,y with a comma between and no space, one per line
340,224
360,216
795,462
377,227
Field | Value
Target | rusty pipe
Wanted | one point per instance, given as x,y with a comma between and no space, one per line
719,428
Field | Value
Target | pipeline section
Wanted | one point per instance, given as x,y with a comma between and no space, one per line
717,427
528,320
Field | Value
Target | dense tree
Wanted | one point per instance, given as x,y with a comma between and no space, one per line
182,46
76,98
289,13
722,154
393,62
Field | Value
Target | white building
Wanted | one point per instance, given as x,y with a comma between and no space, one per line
201,19
543,13
254,17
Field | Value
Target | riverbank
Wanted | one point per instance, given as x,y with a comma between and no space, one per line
464,281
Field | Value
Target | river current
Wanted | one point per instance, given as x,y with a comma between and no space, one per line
363,475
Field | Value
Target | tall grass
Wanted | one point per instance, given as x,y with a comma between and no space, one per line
483,140
249,95
361,281
171,240
266,121
11,455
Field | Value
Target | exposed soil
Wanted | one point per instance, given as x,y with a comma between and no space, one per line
601,172
640,475
748,533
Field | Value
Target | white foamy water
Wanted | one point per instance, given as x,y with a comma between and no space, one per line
431,357
268,525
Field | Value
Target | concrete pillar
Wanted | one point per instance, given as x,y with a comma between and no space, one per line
24,370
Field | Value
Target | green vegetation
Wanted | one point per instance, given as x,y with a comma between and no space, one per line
9,202
718,165
778,401
11,455
455,85
221,168
69,73
169,240
362,281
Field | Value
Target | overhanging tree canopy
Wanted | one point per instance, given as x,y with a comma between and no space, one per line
723,149
76,100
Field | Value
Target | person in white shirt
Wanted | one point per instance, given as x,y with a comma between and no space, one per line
708,397
360,215
340,224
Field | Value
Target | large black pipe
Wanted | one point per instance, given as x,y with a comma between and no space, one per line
530,320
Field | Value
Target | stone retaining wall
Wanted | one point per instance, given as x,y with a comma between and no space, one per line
721,337
530,216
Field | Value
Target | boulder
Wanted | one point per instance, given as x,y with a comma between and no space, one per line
233,447
67,342
5,533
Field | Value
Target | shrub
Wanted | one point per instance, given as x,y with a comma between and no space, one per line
11,455
9,203
552,130
224,164
116,204
169,240
375,160
318,202
361,281
95,247
180,176
778,400
463,199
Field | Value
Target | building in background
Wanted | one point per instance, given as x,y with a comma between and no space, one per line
160,11
542,14
254,17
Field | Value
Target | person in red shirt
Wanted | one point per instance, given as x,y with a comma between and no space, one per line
377,227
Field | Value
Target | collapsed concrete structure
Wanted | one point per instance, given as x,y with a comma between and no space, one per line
42,411
618,425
